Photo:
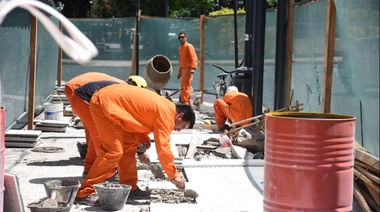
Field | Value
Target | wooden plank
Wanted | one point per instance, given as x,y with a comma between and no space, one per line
188,163
359,197
329,56
32,70
369,184
202,21
368,198
367,158
368,174
195,141
365,166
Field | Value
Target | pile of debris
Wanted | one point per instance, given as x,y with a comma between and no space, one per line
366,179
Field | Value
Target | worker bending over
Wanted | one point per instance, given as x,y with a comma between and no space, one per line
234,107
79,91
124,120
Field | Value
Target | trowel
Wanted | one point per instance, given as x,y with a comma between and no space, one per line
50,202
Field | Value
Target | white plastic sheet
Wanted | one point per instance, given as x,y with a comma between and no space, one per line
77,46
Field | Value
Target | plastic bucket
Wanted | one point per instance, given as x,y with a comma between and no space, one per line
2,149
308,164
53,111
158,71
112,196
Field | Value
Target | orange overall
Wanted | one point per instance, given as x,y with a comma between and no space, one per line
235,106
188,61
124,119
81,108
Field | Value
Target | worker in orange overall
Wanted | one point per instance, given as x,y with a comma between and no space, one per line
188,62
79,91
124,120
234,107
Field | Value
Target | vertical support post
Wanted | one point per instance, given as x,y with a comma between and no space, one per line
135,54
202,20
59,64
289,55
329,56
258,56
32,70
235,34
280,61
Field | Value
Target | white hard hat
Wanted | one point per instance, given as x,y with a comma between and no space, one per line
232,88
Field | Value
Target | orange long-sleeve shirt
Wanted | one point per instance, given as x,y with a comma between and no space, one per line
187,56
142,111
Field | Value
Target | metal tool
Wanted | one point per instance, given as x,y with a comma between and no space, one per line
51,202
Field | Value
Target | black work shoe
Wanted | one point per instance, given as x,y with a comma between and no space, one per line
139,194
92,200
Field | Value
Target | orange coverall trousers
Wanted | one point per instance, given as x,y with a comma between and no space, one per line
112,141
186,80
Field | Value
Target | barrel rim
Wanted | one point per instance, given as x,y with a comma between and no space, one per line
311,115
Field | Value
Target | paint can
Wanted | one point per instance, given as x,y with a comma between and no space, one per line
53,111
308,164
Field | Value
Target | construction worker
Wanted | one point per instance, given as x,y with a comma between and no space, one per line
79,91
188,62
124,119
234,107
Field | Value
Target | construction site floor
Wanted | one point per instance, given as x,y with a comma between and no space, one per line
222,185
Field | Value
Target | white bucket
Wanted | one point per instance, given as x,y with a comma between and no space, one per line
53,111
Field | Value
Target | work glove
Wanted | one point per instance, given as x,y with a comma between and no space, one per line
179,76
192,71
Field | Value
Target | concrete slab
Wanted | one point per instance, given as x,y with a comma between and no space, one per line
227,188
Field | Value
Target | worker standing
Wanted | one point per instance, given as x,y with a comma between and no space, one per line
124,119
79,91
234,107
188,62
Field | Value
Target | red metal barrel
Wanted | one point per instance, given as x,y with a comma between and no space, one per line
309,159
2,149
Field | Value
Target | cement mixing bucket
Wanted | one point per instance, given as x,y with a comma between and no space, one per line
158,71
308,164
66,190
112,196
2,149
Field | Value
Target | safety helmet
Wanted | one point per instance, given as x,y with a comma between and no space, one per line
138,81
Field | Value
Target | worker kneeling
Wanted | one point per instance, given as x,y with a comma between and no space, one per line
234,107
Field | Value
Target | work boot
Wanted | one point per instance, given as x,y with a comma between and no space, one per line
92,200
139,194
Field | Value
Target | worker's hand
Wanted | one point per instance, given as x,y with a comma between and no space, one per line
179,182
143,147
144,158
192,71
179,76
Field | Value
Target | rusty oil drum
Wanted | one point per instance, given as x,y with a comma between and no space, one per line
2,158
308,164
